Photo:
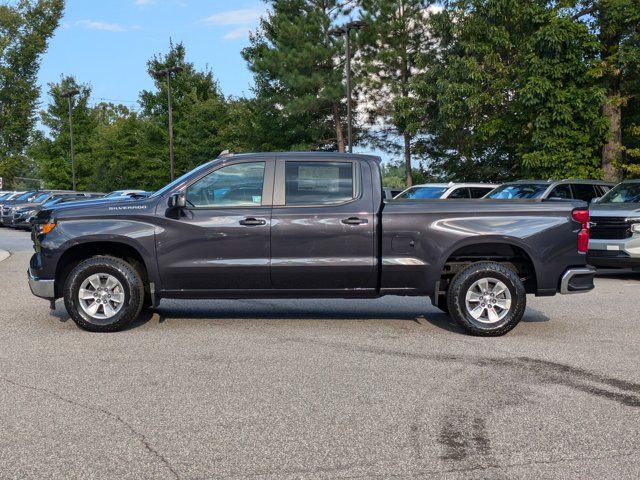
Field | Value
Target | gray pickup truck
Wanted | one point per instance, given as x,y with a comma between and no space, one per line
615,228
306,225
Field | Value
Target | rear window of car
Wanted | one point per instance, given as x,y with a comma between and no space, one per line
520,190
417,193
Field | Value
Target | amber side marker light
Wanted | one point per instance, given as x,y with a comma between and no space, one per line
46,228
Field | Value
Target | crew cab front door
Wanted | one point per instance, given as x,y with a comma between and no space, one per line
220,240
323,225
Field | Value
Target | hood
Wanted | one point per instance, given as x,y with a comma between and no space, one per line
24,206
98,208
615,210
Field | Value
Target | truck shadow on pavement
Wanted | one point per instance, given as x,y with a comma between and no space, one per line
299,312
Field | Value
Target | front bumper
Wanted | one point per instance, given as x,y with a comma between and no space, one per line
623,253
577,280
41,288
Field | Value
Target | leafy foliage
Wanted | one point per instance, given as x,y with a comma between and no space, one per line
25,28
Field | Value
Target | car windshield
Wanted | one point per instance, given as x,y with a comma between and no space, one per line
623,193
24,196
422,192
520,190
41,198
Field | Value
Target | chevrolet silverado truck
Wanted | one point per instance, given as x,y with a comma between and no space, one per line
306,225
615,228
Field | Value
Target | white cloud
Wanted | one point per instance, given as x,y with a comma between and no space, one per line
237,33
243,16
143,3
98,25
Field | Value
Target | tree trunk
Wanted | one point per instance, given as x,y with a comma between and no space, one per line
613,148
407,157
338,124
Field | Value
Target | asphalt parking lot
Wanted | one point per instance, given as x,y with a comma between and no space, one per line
319,389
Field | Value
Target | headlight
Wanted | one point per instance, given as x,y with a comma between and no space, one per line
635,228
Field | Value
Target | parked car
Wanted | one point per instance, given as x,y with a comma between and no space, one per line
390,193
615,227
585,190
7,204
446,190
37,198
317,228
22,215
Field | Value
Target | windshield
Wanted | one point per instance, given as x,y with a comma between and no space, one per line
623,193
179,180
41,198
24,196
520,190
423,192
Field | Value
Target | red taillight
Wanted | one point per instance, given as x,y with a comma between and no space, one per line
582,216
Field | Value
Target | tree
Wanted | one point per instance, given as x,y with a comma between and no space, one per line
25,28
51,151
296,67
391,45
615,24
199,113
510,92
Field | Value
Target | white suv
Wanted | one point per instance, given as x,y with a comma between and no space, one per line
446,190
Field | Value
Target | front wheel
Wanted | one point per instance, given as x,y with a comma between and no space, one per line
103,294
487,299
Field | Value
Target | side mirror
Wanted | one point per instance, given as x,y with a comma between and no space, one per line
595,200
177,200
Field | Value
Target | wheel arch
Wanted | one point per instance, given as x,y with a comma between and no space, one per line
506,250
78,252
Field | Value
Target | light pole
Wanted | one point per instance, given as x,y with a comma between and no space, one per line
167,73
69,94
345,31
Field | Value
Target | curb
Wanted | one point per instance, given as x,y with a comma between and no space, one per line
4,255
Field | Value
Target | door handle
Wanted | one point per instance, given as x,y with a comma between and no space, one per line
251,222
354,221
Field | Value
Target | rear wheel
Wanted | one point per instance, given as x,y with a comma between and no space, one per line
103,294
487,299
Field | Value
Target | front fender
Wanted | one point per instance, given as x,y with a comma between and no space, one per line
68,234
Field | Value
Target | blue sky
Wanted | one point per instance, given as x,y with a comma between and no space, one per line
107,43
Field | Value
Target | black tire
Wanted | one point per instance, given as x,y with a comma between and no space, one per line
128,277
465,280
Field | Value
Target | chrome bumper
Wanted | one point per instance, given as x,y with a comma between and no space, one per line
41,288
577,280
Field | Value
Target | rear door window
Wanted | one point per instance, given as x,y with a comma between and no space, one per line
319,183
561,191
462,192
479,192
584,192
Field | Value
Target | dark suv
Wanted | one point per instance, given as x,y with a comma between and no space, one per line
585,190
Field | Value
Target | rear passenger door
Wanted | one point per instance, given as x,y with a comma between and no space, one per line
323,225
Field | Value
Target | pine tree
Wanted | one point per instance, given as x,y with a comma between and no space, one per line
199,112
296,67
391,46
